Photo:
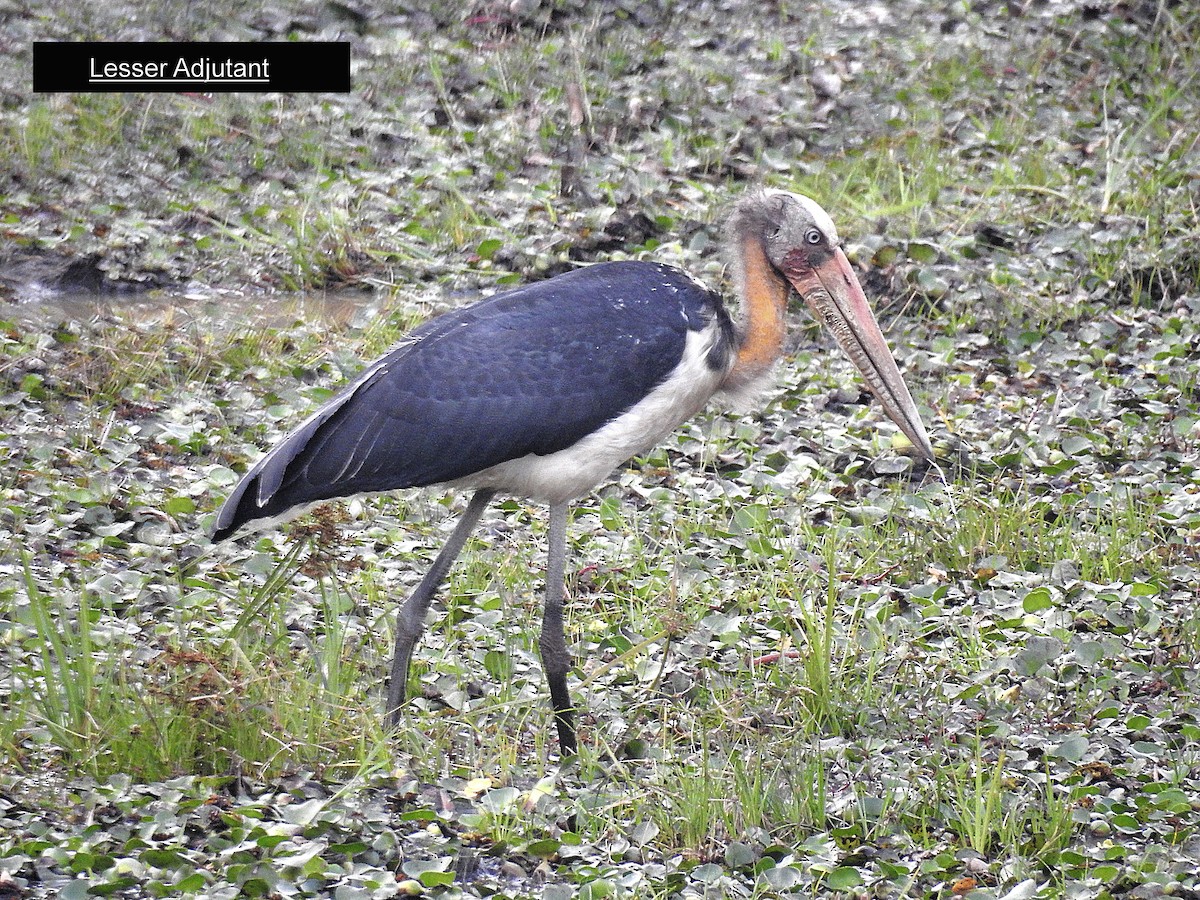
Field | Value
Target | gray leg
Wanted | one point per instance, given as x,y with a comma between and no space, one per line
555,658
410,620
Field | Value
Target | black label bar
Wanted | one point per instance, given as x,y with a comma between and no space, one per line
207,67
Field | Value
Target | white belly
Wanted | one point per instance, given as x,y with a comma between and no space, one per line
570,473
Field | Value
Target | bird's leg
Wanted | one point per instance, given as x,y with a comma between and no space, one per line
410,620
555,658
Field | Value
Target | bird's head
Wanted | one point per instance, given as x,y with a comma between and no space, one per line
800,243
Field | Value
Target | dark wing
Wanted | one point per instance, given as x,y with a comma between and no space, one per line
530,371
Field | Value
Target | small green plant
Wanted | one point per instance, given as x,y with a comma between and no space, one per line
785,795
69,695
998,815
978,814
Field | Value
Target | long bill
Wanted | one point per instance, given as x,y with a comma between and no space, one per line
834,295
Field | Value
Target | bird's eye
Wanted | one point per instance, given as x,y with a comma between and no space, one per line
813,236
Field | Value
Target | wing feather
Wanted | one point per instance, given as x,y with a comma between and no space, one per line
530,371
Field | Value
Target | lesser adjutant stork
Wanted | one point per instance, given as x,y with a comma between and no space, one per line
542,391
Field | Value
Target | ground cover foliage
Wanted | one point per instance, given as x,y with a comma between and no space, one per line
808,666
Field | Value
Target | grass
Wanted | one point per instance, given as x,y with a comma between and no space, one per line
69,694
199,705
989,809
693,582
977,793
796,673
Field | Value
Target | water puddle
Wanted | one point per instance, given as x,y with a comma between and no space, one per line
344,310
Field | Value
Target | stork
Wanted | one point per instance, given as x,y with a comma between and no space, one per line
542,391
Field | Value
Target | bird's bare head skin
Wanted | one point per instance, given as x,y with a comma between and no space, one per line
799,240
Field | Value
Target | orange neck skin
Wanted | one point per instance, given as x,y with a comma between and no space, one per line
764,296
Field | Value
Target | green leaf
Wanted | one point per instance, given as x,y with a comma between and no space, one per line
436,879
844,878
498,664
1037,600
893,871
545,848
162,858
884,256
596,890
500,799
256,887
739,855
610,514
643,833
418,815
429,872
1089,652
922,252
782,878
191,884
1126,823
487,249
1076,445
179,505
1039,651
754,518
1071,749
302,813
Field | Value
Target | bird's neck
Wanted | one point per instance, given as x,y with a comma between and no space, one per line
761,318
